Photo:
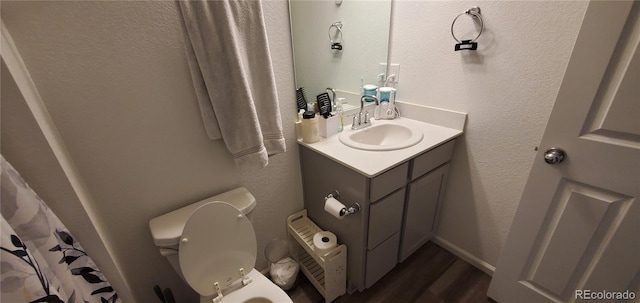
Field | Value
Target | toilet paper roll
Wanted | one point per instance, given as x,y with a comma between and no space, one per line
324,241
334,207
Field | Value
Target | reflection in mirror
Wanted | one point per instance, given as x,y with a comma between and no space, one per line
364,41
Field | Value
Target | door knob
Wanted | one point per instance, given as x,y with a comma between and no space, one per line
554,155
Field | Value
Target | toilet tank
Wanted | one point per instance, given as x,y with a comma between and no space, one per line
167,229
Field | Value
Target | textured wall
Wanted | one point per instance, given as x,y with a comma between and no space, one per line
507,87
114,77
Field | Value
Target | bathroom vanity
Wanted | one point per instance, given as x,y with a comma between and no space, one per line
399,192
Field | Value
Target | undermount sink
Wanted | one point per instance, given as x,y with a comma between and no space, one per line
384,136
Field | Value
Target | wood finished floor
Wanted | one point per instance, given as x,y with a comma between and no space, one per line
430,275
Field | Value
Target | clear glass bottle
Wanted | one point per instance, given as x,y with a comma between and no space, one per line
340,113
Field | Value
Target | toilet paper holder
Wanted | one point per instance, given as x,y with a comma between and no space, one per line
346,210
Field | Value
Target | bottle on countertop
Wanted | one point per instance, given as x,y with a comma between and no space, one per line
310,127
340,113
299,124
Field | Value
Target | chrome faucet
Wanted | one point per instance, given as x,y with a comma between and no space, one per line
361,120
333,99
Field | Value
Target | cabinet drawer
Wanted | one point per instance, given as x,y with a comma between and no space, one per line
389,181
382,259
432,159
385,218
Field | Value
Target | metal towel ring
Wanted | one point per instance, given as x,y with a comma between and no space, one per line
337,45
474,12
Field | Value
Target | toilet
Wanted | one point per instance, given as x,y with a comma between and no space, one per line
212,246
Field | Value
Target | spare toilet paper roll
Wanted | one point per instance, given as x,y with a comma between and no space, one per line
334,207
324,241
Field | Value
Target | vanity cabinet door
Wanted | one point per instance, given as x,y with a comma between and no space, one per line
424,195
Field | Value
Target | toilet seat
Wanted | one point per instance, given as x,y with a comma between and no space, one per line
209,255
261,290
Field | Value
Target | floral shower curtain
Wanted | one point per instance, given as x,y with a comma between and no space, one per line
40,260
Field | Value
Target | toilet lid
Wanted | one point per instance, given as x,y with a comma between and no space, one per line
216,242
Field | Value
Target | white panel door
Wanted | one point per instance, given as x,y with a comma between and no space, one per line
577,227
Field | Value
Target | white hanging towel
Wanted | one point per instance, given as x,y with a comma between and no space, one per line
233,77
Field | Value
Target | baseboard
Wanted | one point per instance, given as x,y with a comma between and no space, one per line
465,255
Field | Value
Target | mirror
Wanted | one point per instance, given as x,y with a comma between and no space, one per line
364,40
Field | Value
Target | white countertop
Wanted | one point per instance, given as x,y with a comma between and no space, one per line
373,163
